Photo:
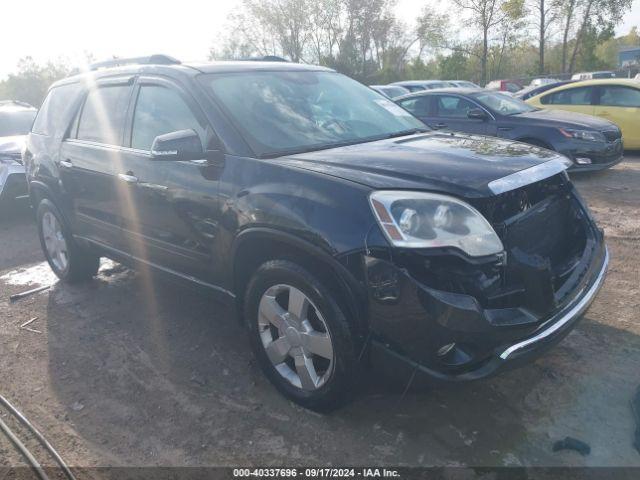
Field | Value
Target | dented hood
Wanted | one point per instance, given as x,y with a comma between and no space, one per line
462,165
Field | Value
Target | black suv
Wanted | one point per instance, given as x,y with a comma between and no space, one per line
347,235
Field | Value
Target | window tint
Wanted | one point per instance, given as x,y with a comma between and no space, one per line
571,96
103,115
450,106
56,110
419,106
618,96
160,110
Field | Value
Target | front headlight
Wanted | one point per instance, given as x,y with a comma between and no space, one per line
588,135
430,220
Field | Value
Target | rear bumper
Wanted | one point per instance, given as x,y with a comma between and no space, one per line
13,181
501,346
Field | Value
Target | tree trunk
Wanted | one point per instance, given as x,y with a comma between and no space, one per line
542,39
565,35
485,53
579,36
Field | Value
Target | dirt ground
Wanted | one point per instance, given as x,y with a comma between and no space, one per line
121,372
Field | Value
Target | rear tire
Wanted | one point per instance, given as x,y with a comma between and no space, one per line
68,260
300,336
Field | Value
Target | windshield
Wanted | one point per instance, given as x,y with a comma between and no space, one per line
501,103
16,122
285,112
393,92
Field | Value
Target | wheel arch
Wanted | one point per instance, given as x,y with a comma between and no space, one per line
257,245
39,190
538,142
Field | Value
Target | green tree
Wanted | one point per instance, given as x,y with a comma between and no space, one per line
32,80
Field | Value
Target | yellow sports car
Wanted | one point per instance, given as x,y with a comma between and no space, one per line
615,99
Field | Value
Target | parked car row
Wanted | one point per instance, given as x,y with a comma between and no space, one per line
398,89
590,142
590,122
346,232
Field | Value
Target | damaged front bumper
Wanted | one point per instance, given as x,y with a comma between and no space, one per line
455,320
446,337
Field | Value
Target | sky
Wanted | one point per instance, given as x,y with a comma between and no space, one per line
53,29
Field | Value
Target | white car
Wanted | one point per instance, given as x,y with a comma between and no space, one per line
15,122
593,75
538,82
418,85
462,84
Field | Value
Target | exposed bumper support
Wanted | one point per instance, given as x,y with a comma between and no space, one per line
556,323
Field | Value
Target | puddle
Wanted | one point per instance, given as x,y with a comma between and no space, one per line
41,274
34,275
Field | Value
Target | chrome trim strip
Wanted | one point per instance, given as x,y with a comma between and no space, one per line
575,311
529,175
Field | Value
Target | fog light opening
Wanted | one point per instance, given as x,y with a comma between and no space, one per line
442,351
583,161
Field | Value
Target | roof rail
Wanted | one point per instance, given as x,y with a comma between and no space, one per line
150,60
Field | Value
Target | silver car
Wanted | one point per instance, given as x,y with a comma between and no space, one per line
16,119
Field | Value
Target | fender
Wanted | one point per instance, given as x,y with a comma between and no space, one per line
355,293
44,191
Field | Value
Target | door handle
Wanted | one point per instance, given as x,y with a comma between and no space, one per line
125,177
66,163
440,125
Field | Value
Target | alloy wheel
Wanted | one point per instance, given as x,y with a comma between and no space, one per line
54,241
295,337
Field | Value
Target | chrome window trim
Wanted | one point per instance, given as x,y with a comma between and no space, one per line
529,175
578,309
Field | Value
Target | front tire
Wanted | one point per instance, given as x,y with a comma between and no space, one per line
68,260
300,336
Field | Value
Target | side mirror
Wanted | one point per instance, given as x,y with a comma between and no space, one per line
180,145
477,114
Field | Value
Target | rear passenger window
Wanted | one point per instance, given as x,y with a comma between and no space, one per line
571,96
103,115
618,96
160,110
418,106
56,110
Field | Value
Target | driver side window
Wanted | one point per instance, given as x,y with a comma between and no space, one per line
160,110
